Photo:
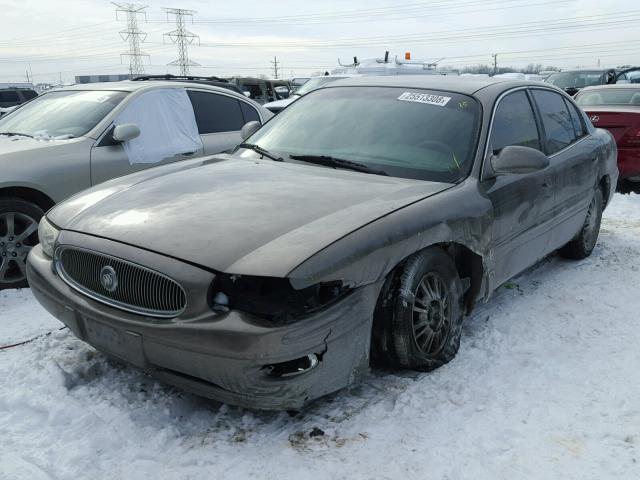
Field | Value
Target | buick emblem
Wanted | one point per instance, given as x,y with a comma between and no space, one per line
108,278
595,118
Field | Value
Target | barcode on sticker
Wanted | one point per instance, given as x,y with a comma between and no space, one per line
424,98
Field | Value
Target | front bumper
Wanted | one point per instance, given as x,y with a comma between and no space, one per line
219,356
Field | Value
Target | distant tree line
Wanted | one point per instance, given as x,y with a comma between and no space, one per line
488,69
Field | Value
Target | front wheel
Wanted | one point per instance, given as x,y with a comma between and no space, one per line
584,243
18,235
419,316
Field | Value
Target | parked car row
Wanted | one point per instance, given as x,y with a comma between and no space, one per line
358,226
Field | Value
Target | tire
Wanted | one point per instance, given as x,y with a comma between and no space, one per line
415,326
18,235
585,241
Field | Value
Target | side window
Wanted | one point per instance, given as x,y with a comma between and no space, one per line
556,120
514,123
576,120
216,113
249,113
29,94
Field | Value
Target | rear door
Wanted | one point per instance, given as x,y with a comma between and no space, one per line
521,202
220,118
573,160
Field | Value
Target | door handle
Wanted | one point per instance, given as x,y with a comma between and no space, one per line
186,154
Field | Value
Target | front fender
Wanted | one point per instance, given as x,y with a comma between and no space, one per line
459,215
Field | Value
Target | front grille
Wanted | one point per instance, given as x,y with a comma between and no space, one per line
128,286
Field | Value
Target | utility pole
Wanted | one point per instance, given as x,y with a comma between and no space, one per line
133,35
182,38
275,67
495,63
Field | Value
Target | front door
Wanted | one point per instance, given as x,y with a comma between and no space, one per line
168,133
522,203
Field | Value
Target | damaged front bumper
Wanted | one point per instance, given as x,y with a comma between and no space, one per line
231,356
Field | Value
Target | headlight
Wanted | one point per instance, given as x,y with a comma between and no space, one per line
272,299
48,234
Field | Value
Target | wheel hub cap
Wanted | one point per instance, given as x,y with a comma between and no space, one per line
431,314
17,237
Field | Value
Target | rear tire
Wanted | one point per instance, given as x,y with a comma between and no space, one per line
584,243
418,321
18,235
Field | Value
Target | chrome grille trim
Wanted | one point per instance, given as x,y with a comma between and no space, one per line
141,290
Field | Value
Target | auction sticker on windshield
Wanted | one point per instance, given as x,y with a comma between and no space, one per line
424,98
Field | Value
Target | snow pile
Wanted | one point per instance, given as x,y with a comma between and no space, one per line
545,386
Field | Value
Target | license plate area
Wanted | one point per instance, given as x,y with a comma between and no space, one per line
123,344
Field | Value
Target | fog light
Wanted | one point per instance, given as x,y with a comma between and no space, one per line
292,368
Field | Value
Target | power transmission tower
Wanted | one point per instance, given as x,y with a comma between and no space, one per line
275,67
133,35
182,37
495,63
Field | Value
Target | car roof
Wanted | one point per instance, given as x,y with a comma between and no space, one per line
613,87
133,86
464,85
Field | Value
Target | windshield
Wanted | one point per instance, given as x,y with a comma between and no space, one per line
410,133
316,83
575,79
61,114
609,96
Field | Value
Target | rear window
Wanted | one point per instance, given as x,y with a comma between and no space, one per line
28,94
610,96
216,113
576,79
556,119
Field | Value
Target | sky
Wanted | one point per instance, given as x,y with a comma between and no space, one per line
56,40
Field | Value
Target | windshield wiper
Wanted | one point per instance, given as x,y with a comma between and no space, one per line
261,151
338,163
12,134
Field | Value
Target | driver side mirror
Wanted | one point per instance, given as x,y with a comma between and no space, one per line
249,129
125,132
516,160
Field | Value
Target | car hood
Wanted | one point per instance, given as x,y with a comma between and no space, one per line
16,144
238,215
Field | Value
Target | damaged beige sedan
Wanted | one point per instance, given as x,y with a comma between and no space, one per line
360,225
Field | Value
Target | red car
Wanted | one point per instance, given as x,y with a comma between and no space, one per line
617,109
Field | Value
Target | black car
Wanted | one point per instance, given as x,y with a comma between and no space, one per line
572,81
358,226
10,97
261,90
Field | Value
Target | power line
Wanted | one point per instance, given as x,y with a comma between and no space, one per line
463,35
182,37
133,35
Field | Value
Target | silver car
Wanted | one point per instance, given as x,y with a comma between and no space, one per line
70,139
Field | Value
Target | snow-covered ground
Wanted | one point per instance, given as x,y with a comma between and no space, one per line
546,386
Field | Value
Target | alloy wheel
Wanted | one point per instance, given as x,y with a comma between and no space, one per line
18,235
431,314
